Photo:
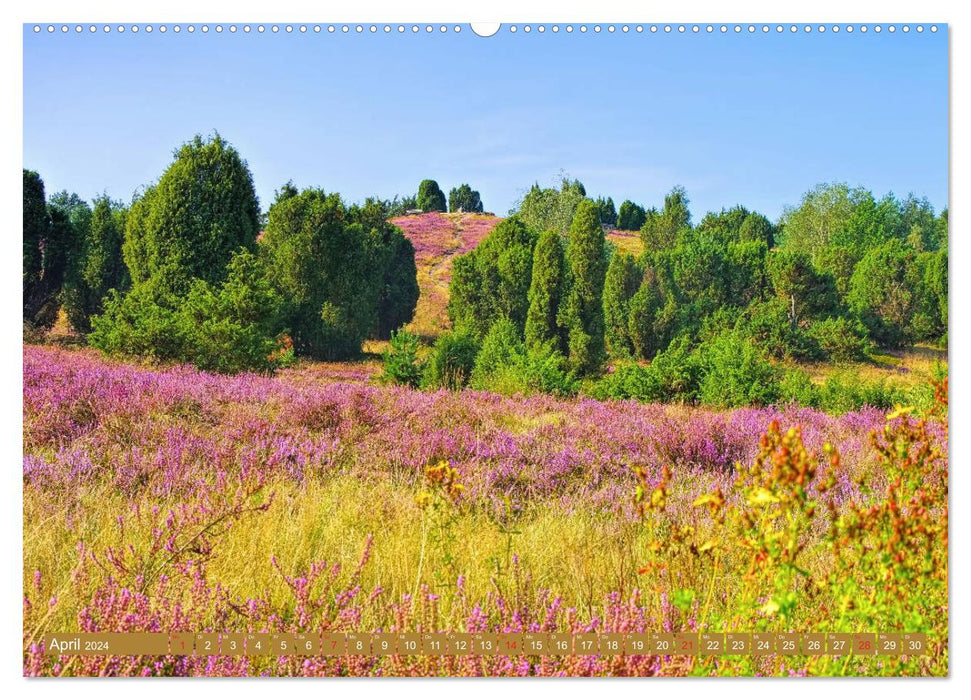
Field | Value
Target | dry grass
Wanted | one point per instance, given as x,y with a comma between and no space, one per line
908,367
626,241
580,554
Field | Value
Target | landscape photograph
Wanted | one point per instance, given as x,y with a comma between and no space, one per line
575,350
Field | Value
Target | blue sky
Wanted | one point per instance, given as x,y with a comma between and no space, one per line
751,119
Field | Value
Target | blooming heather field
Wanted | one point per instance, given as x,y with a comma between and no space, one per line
168,499
438,238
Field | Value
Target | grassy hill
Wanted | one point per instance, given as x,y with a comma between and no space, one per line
438,238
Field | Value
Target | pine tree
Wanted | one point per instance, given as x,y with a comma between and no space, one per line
582,314
430,196
545,292
98,266
643,325
37,224
621,284
189,225
464,198
630,216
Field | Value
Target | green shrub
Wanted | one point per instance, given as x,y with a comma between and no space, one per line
846,391
464,198
504,365
544,369
768,324
492,280
325,268
627,381
190,223
735,373
795,386
582,313
233,327
401,363
622,282
236,326
451,363
501,348
673,375
630,216
880,293
142,322
841,339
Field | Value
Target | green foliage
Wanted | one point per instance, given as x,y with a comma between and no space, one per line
926,277
935,279
756,228
794,280
543,369
232,327
430,196
53,234
191,222
769,325
880,293
919,228
810,227
582,314
631,216
735,373
323,265
143,322
649,317
796,386
736,225
842,392
451,362
622,282
606,211
550,209
236,326
506,366
845,391
838,262
841,339
501,348
401,363
546,291
98,265
464,198
393,281
673,376
745,266
701,269
333,275
492,281
660,229
37,224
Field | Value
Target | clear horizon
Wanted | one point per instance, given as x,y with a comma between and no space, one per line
743,119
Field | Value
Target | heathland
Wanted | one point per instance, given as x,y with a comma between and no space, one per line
412,415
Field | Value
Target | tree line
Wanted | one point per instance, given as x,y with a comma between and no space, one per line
711,306
193,271
184,273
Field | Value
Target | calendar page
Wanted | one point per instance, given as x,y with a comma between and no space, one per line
437,349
